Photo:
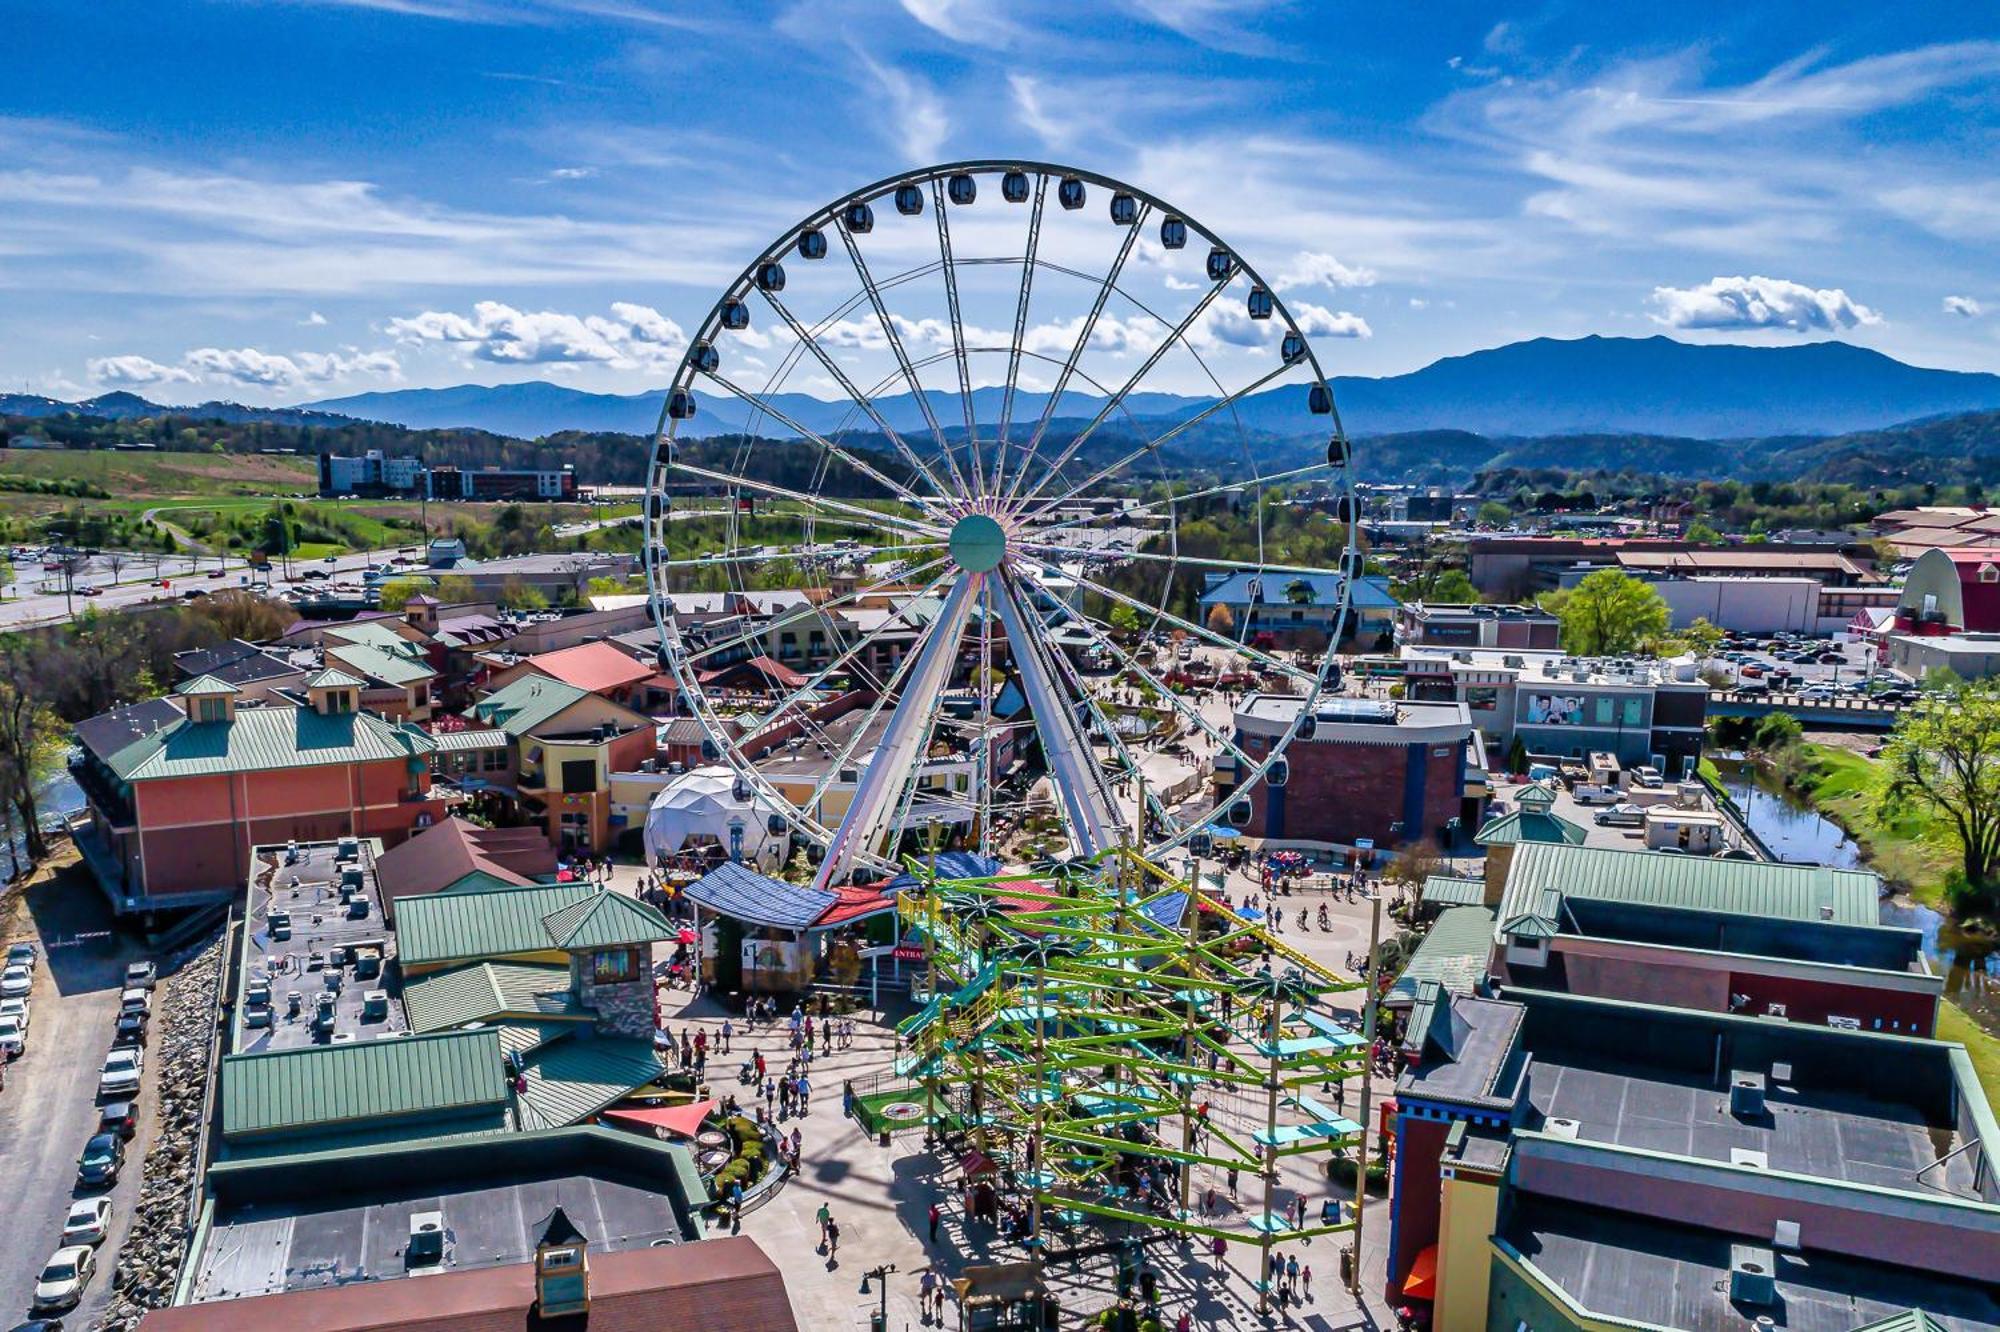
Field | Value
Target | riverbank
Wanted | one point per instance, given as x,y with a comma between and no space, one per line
1909,850
1955,1024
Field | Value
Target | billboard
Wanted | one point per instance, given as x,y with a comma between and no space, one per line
1555,710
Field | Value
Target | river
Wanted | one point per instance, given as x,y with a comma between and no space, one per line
57,796
1795,832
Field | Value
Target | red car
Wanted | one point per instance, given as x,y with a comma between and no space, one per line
1751,672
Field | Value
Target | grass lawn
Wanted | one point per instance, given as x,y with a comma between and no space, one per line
1955,1025
195,475
1910,850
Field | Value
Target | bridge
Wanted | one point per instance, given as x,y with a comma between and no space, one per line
1834,714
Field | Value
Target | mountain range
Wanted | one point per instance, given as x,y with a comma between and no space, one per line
1545,386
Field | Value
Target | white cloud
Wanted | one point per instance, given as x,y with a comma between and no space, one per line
1311,269
1316,321
633,337
1953,209
1963,306
135,371
917,119
253,368
1760,302
1419,303
313,320
572,173
974,22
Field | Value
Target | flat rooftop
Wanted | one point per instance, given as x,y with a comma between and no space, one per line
1618,1265
1842,1135
1532,666
265,1248
305,883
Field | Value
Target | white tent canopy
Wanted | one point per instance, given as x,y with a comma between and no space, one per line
703,807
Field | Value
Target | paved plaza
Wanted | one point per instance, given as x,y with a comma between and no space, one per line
881,1197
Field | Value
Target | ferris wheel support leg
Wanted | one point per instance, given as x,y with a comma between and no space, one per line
1073,768
901,749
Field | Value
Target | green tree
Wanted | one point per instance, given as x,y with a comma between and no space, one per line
1943,759
1494,514
516,594
455,590
1701,637
396,593
31,741
1124,619
1607,613
1701,534
1221,620
1453,587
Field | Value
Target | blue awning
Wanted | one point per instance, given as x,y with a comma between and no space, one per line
756,899
1221,833
950,865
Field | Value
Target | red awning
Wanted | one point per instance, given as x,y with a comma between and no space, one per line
975,1164
682,1120
1422,1282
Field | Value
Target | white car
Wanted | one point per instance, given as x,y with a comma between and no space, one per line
22,954
15,982
141,976
21,1010
13,1038
119,1078
61,1283
87,1221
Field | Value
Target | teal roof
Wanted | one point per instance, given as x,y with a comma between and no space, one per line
321,1086
527,703
267,740
1530,826
488,990
401,665
1909,1320
373,632
1543,874
481,925
1454,954
205,685
607,921
475,738
572,1080
1450,890
331,677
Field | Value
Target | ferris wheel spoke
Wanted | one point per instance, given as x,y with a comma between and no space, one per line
745,557
895,340
875,517
902,743
832,668
1104,290
1181,497
978,467
873,589
983,774
862,400
1258,568
894,487
1111,404
1079,782
1020,331
1206,635
890,689
1153,445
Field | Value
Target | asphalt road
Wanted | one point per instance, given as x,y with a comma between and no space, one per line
49,1108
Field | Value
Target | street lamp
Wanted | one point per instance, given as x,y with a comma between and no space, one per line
878,1321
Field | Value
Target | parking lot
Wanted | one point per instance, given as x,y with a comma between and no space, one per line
49,1108
1850,677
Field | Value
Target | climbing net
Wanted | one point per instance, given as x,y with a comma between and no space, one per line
1109,1041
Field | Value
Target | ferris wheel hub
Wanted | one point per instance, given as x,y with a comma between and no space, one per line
978,543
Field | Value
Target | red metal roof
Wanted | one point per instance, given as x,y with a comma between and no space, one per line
595,667
854,904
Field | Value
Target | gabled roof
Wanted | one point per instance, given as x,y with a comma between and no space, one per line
593,667
397,666
608,920
1525,825
1272,587
439,857
1454,954
529,702
362,1082
1543,874
268,740
109,732
331,677
492,923
236,662
1450,890
486,991
205,686
572,1080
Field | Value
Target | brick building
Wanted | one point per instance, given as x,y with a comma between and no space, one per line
1360,769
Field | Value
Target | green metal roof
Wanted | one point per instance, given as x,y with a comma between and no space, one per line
524,1038
1454,953
1909,1320
459,741
1450,890
267,740
324,1086
492,923
606,921
398,666
1544,873
527,703
574,1079
1530,826
373,632
488,990
205,685
331,677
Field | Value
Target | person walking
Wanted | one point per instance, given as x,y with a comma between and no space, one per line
728,1030
798,1143
1306,1275
1292,1276
825,1218
832,1240
757,1061
936,1215
770,1095
926,1292
805,1094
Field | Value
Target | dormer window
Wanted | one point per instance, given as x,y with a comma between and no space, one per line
211,709
1989,573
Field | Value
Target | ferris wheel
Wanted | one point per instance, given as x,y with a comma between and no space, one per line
959,470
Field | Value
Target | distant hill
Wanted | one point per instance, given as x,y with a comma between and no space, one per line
132,407
1548,386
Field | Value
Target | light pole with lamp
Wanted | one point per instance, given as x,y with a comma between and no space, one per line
878,1320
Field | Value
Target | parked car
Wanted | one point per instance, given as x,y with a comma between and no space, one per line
1621,816
1753,689
135,1000
103,1157
13,1038
130,1029
87,1221
38,1325
61,1283
141,976
117,1117
21,1010
1588,793
1647,776
1750,671
22,954
119,1078
15,982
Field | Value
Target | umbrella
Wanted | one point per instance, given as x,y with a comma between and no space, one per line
1220,832
688,936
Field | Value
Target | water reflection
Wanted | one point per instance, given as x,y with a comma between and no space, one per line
1794,832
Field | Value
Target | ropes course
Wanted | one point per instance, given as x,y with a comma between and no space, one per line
1116,1043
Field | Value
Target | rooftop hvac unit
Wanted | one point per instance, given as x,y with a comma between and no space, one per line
426,1245
1746,1094
1563,1128
1746,1156
1753,1275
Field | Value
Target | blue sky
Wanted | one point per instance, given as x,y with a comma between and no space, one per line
274,202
